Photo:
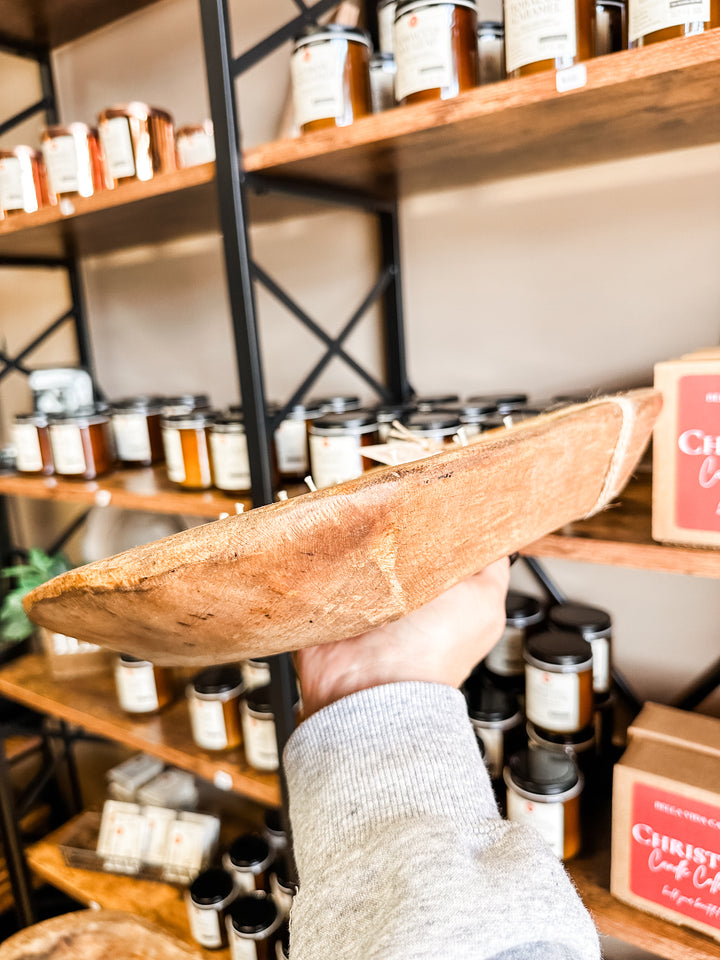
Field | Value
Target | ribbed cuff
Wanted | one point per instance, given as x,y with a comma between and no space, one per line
391,753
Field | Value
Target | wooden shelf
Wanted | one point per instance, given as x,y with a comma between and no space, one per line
54,22
160,903
621,536
145,489
615,919
661,97
91,703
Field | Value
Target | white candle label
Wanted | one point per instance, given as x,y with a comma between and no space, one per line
552,700
255,674
601,664
423,50
136,688
291,447
205,926
11,184
231,464
196,148
61,162
242,949
27,448
506,657
647,16
493,743
386,27
132,437
117,147
335,459
317,81
174,459
208,724
538,30
260,744
67,448
547,818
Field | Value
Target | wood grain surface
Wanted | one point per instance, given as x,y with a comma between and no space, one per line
332,564
95,935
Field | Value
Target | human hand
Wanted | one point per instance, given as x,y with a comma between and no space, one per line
439,642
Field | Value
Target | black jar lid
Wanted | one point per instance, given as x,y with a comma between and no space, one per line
488,704
258,700
216,681
332,31
504,402
35,419
192,400
349,420
437,400
543,772
428,420
259,661
405,5
559,648
140,404
381,59
273,822
523,608
83,416
211,886
193,419
492,26
337,403
248,851
387,412
253,913
126,658
579,618
577,742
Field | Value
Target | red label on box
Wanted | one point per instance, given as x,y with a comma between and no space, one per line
675,853
697,450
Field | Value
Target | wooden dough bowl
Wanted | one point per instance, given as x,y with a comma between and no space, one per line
95,935
332,564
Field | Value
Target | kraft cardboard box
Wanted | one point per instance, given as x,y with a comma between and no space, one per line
666,818
686,451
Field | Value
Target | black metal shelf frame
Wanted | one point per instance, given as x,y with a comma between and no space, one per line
242,273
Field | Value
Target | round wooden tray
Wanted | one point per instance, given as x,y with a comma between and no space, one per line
332,564
95,935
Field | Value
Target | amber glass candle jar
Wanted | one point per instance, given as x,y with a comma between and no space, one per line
664,20
491,51
330,70
214,701
255,673
507,657
595,626
31,439
136,424
336,442
580,746
138,142
141,686
195,144
291,442
436,50
229,451
23,181
258,726
611,30
543,791
187,449
251,922
536,40
207,900
497,720
73,161
81,444
247,860
558,682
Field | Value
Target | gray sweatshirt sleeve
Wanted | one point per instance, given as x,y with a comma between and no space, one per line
401,852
